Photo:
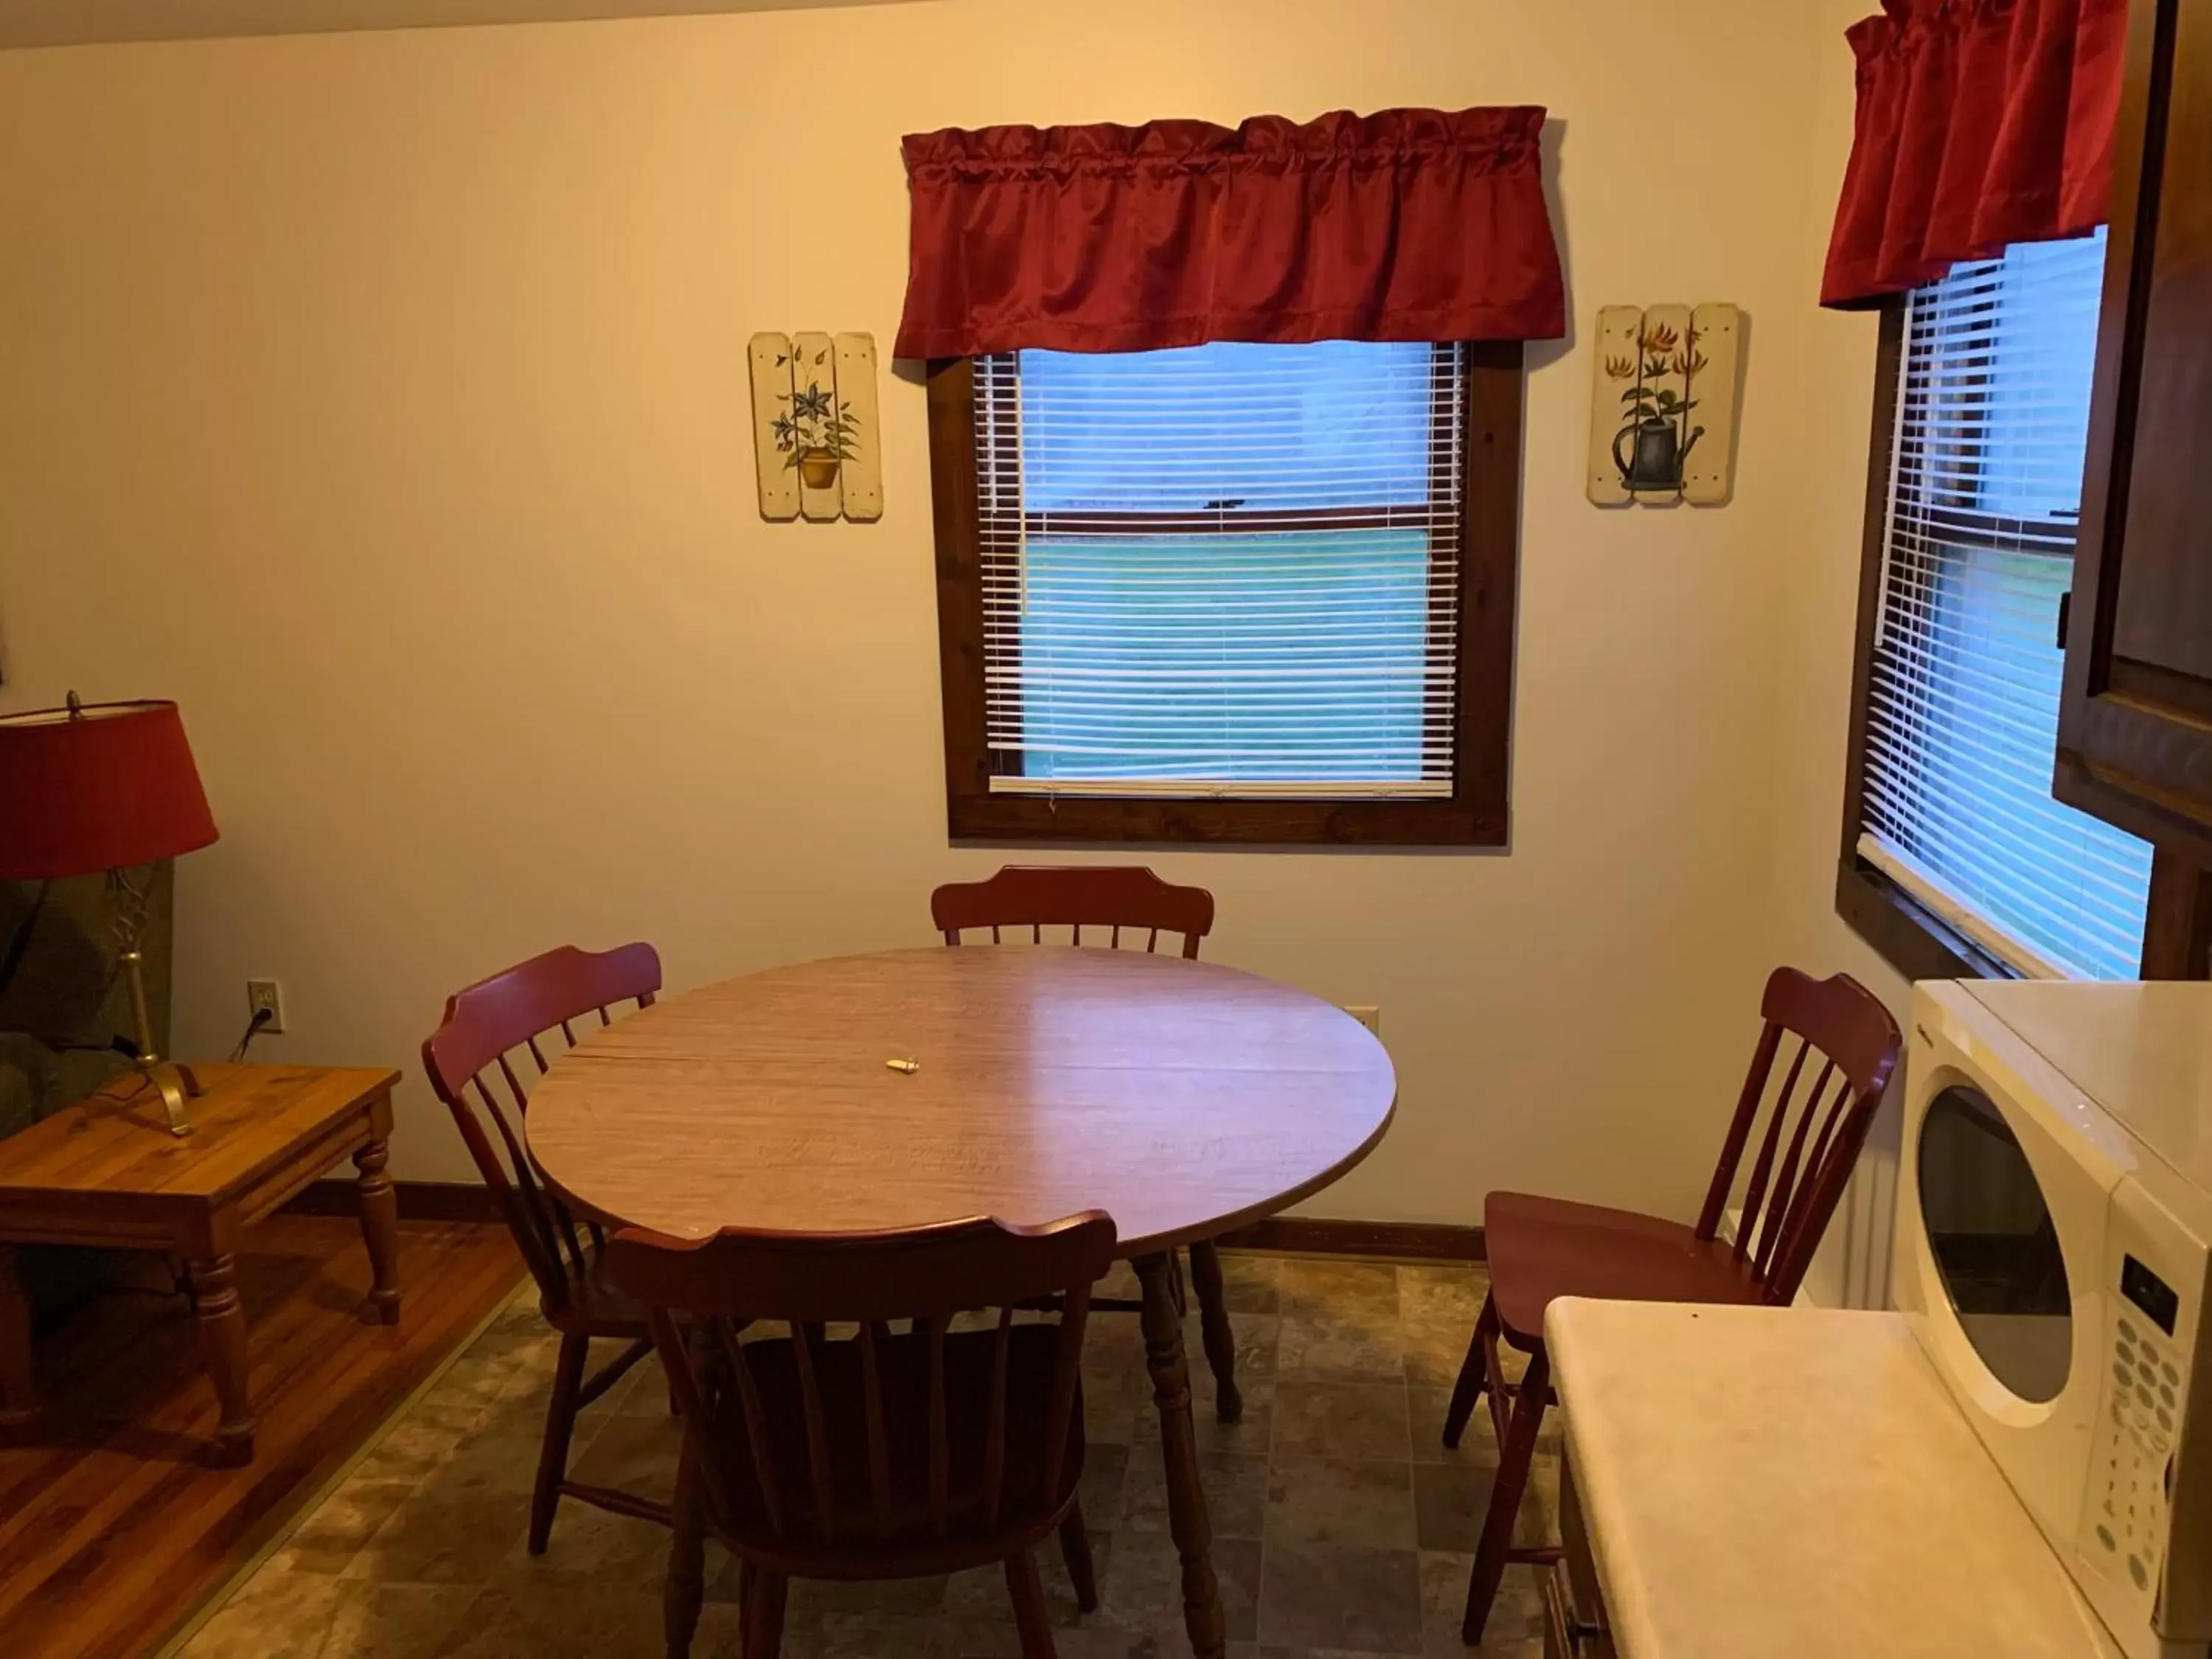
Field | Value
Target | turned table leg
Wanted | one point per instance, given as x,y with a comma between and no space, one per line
222,1350
379,1229
1186,1520
19,1399
686,1586
1213,1329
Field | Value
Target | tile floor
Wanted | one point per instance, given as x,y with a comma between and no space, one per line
1342,1525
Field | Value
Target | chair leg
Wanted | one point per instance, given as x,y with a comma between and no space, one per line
1075,1550
559,1426
687,1563
1030,1616
1213,1331
1471,1374
763,1616
1514,1453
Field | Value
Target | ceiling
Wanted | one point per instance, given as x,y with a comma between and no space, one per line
80,22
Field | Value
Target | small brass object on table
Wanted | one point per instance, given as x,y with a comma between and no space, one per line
908,1067
174,1080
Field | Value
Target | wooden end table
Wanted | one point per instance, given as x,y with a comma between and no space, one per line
106,1171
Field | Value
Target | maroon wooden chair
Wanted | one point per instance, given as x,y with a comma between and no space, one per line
1114,898
1541,1249
471,1060
1110,900
874,1455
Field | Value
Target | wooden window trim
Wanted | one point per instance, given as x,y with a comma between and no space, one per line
1910,938
1474,815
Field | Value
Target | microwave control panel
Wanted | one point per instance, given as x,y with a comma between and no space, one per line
2148,1308
2124,1529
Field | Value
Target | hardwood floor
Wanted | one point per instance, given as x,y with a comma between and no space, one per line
113,1527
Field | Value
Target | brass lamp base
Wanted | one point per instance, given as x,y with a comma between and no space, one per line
175,1081
178,1084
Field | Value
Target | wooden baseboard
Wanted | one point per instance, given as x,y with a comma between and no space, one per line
419,1200
463,1200
1304,1235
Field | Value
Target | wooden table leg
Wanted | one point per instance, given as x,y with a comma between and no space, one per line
19,1398
380,1228
686,1585
1186,1520
222,1350
1213,1329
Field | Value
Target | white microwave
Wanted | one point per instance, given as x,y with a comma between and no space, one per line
2054,1227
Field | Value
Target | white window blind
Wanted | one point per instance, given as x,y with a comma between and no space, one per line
1985,482
1223,570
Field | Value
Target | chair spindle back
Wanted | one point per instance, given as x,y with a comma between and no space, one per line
1795,1182
1114,898
470,1061
915,1427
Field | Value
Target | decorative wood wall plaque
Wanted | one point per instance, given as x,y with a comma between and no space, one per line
1664,404
814,426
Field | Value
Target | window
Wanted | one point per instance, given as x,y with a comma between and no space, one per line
1987,379
1228,591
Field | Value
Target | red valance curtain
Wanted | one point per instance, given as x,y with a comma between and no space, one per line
1980,122
1409,224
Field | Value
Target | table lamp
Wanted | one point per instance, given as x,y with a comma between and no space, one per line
105,787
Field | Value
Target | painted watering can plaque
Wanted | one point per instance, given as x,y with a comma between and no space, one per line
1662,408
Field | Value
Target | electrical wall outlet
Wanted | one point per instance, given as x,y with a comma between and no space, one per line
1367,1014
266,993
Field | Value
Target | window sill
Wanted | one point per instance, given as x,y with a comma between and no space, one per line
1017,819
1912,939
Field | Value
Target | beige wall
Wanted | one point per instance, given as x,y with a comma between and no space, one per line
381,397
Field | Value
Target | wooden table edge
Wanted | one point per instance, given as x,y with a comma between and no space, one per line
386,1079
364,1098
1127,1248
1261,1211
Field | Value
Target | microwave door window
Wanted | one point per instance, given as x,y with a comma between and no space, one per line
1995,1246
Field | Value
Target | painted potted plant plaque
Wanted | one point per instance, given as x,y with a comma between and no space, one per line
1664,408
814,426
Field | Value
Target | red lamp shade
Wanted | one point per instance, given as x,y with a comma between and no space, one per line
101,786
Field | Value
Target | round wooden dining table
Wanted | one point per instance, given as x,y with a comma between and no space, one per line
1026,1082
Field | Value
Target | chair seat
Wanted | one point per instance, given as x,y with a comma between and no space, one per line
1541,1249
903,1365
597,1306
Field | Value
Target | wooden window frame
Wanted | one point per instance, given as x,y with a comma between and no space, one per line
1476,814
1912,939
